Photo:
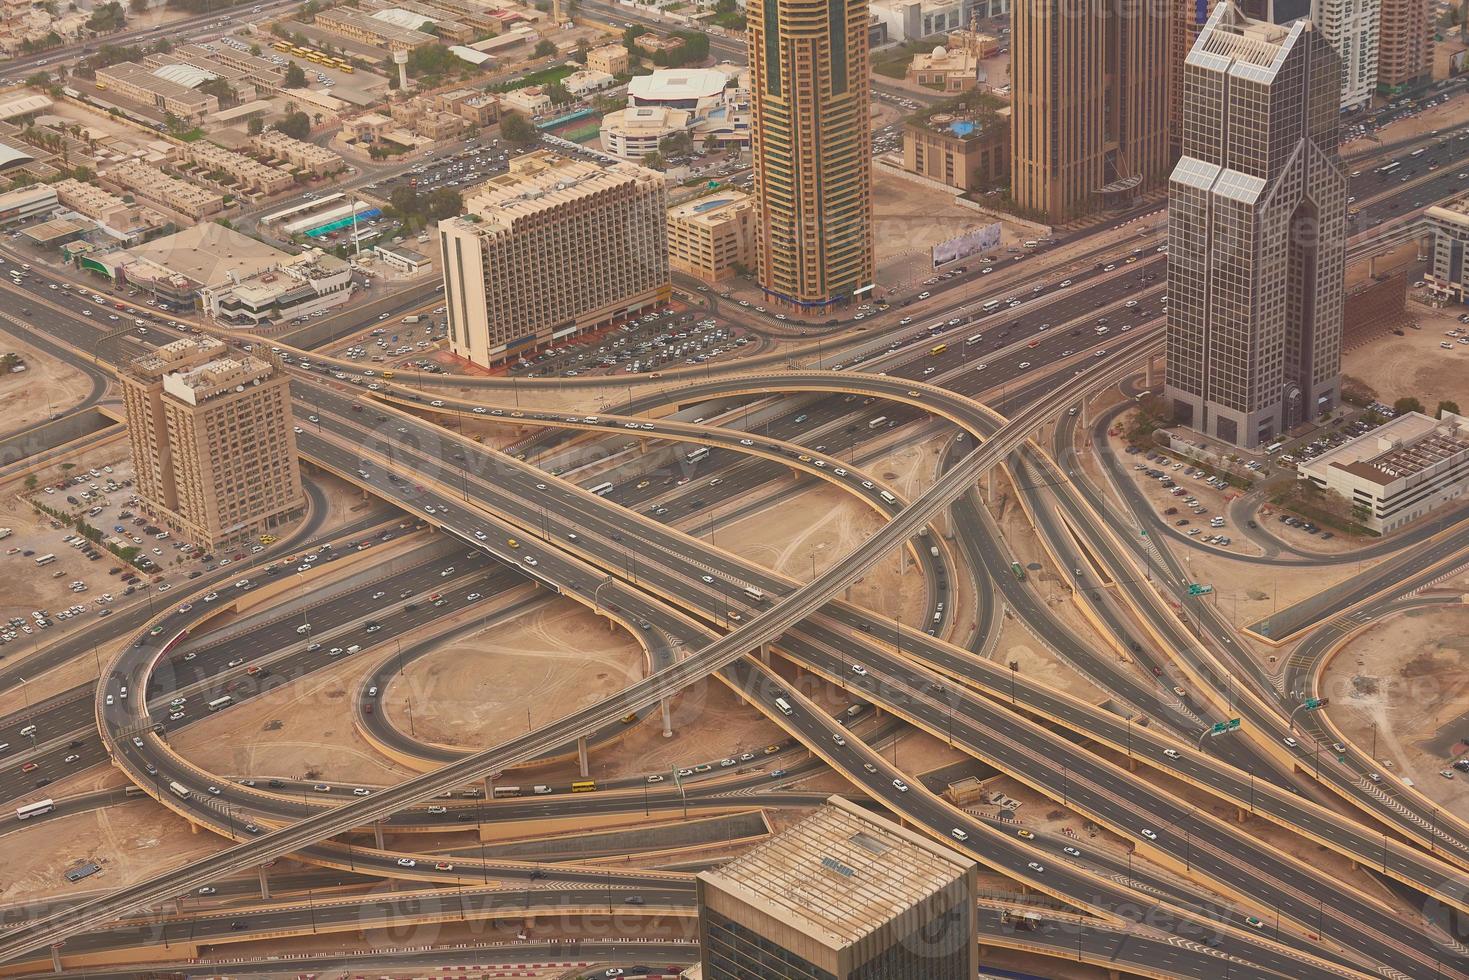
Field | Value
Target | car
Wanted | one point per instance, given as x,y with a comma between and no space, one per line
1036,866
1375,777
1149,833
859,670
838,740
1290,742
443,866
360,791
1446,773
900,786
206,890
1254,922
407,863
1072,851
1025,834
322,788
1339,748
28,767
235,662
958,834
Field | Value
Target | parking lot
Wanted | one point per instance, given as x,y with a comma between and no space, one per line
1204,497
650,343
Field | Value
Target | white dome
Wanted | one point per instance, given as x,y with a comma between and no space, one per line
939,52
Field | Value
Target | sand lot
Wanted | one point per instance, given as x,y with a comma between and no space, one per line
1414,364
46,387
478,691
1405,678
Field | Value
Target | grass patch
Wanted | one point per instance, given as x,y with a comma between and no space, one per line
543,77
893,62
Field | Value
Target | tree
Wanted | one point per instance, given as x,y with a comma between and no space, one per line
653,161
137,6
295,125
1448,406
431,59
221,90
557,93
518,130
255,126
404,201
676,145
295,77
256,50
580,54
1407,404
545,48
444,203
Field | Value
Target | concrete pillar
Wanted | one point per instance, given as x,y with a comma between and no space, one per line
377,836
1151,377
611,625
667,708
264,883
193,827
765,654
581,757
490,786
1241,814
56,959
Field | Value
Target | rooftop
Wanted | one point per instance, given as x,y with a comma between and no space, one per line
1399,449
543,181
209,253
677,83
840,873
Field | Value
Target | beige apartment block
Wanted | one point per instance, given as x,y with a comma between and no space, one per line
246,171
611,58
369,30
213,450
842,895
158,188
144,85
811,148
550,249
712,238
1091,108
1404,46
313,159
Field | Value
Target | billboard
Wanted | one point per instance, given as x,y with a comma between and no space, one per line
973,241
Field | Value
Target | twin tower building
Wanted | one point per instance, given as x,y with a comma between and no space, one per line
1110,100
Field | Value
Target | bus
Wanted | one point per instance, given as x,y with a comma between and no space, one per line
602,489
218,703
887,496
697,454
34,809
991,306
938,349
584,786
1391,167
878,422
505,792
45,559
281,46
179,789
1419,152
347,68
754,594
974,340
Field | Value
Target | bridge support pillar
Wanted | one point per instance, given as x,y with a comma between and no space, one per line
193,827
264,883
377,836
666,708
1241,814
765,654
1150,376
490,786
581,757
56,959
1113,975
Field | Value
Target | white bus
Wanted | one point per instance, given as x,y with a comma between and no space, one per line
179,789
505,792
992,305
754,594
1391,167
878,422
223,702
974,340
783,705
45,559
888,497
697,454
602,489
34,809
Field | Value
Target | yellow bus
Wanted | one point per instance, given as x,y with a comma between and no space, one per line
939,349
388,375
281,46
584,786
346,68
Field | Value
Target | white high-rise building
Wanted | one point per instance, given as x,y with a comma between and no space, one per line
1352,27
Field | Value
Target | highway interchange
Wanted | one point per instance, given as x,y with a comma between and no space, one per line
685,591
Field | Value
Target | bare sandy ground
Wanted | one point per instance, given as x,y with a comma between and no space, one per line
480,690
1400,686
1414,364
47,386
130,841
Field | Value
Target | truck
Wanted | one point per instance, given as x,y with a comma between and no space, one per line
5,532
411,318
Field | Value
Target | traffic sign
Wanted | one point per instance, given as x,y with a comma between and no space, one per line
1194,588
1223,727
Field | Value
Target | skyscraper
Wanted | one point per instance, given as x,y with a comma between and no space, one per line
842,895
1091,109
1351,26
214,455
1405,47
812,147
1256,231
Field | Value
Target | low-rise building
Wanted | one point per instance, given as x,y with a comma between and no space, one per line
309,157
409,261
530,100
914,20
1398,472
244,171
712,238
115,216
172,91
611,58
479,108
159,189
637,131
586,81
26,204
655,44
372,31
950,70
970,153
1447,275
294,289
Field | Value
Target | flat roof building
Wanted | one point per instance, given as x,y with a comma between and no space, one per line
842,895
147,86
970,153
213,453
370,30
611,58
25,204
246,172
161,190
1398,472
313,159
714,237
549,249
1447,275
